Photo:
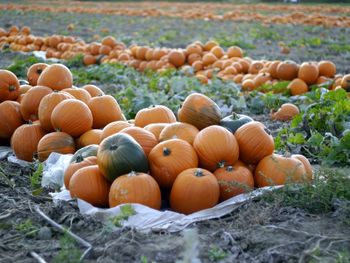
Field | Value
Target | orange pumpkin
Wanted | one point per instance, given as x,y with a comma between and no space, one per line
297,87
177,58
194,189
114,127
287,70
286,112
134,187
90,137
308,72
200,111
156,128
216,146
72,116
73,167
179,130
93,90
10,117
34,72
327,68
9,85
169,158
255,142
79,94
89,184
154,114
56,77
307,165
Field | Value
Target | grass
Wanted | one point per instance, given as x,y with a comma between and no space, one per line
69,253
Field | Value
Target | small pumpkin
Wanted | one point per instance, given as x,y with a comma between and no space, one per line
89,184
345,82
216,146
327,68
73,167
59,142
156,128
308,72
82,153
56,77
9,85
200,111
34,72
297,87
179,130
287,70
90,137
194,189
120,154
234,121
93,90
154,114
177,58
139,188
10,117
114,127
285,113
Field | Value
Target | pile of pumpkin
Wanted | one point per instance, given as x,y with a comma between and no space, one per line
198,59
197,158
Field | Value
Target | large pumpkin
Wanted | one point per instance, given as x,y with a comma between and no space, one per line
105,109
114,127
200,111
179,130
79,94
72,116
34,72
25,139
73,167
255,142
9,85
89,184
169,158
216,146
234,180
275,169
138,188
194,189
10,117
56,77
59,142
120,154
154,114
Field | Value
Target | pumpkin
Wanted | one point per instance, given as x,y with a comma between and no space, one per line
155,128
179,130
326,68
272,69
154,114
24,88
287,70
10,117
308,72
56,77
79,94
47,105
9,85
255,142
59,142
234,180
93,90
101,105
82,153
72,116
216,146
25,139
286,112
120,154
73,167
90,185
200,111
134,187
169,158
194,189
307,165
345,82
297,87
90,137
114,127
234,121
177,58
275,169
146,139
234,52
34,72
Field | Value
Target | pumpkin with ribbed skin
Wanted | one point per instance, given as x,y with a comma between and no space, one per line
169,158
120,154
308,72
47,105
139,188
200,111
10,117
24,88
234,121
306,163
25,139
286,112
31,101
194,189
216,146
255,142
59,142
9,85
276,169
287,70
327,68
234,180
177,58
82,153
179,130
72,116
156,128
34,72
105,109
73,167
56,77
90,137
89,184
114,127
146,139
297,87
79,94
154,114
93,90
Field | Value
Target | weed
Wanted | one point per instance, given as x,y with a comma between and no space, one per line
69,253
215,254
125,212
27,228
20,65
35,178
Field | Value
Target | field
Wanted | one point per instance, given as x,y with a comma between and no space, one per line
297,223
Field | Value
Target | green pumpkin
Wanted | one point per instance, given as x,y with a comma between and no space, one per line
120,154
234,121
87,151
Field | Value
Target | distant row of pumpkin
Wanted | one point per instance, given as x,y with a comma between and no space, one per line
201,60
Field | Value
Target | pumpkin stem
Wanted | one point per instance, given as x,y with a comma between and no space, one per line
113,147
199,173
79,158
166,151
12,88
235,116
221,164
132,173
267,131
229,168
30,122
39,71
